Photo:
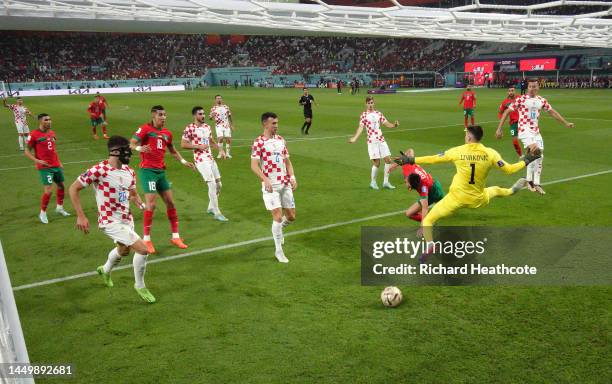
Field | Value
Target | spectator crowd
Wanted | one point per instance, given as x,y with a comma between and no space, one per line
69,56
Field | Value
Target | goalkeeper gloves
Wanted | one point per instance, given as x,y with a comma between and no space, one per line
530,155
403,159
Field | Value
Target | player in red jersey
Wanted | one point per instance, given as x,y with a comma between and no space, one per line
151,140
429,189
41,150
95,116
103,105
514,116
468,98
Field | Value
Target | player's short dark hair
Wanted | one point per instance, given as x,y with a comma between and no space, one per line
476,131
369,98
268,115
117,141
195,109
41,115
305,89
19,98
218,96
156,108
532,80
414,180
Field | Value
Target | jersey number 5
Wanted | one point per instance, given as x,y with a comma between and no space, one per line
473,166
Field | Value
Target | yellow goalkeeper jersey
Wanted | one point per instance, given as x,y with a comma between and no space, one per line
473,162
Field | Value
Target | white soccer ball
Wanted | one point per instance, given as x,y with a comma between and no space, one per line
391,297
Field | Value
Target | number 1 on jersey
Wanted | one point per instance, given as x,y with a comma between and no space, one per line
473,166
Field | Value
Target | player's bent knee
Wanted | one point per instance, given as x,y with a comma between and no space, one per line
140,247
122,249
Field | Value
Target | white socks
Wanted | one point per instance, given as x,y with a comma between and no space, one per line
227,149
374,173
277,234
113,259
386,175
140,267
21,140
537,172
213,202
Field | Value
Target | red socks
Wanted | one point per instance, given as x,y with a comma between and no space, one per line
173,218
517,146
472,118
44,201
104,129
148,220
465,121
60,196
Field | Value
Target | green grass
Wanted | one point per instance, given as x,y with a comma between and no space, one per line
239,316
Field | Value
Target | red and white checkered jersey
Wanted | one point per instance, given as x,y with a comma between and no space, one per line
112,188
272,154
199,135
529,109
371,121
20,113
221,114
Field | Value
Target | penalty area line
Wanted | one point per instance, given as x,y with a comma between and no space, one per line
262,239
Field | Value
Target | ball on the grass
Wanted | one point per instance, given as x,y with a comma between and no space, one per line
391,297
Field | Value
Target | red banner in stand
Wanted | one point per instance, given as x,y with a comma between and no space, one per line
480,69
549,64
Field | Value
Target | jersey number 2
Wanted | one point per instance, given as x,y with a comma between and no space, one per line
473,166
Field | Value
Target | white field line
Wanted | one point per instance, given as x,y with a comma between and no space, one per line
262,239
59,151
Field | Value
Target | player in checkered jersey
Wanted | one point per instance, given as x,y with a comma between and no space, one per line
198,137
224,126
21,112
270,162
529,106
378,149
114,183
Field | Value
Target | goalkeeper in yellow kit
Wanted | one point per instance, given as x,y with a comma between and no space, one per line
473,161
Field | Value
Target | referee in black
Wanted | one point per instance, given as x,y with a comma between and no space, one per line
306,101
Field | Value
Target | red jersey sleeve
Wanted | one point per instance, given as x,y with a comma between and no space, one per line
140,134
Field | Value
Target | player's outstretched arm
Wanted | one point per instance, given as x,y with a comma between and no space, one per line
388,124
82,223
499,132
434,159
357,134
178,156
557,116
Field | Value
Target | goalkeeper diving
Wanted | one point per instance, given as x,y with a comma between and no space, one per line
468,188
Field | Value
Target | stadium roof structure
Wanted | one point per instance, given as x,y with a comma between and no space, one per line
478,21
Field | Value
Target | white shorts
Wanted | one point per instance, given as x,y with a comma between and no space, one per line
121,233
378,150
22,128
280,197
209,170
529,139
223,131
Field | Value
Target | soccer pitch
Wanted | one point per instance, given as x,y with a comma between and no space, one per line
229,312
